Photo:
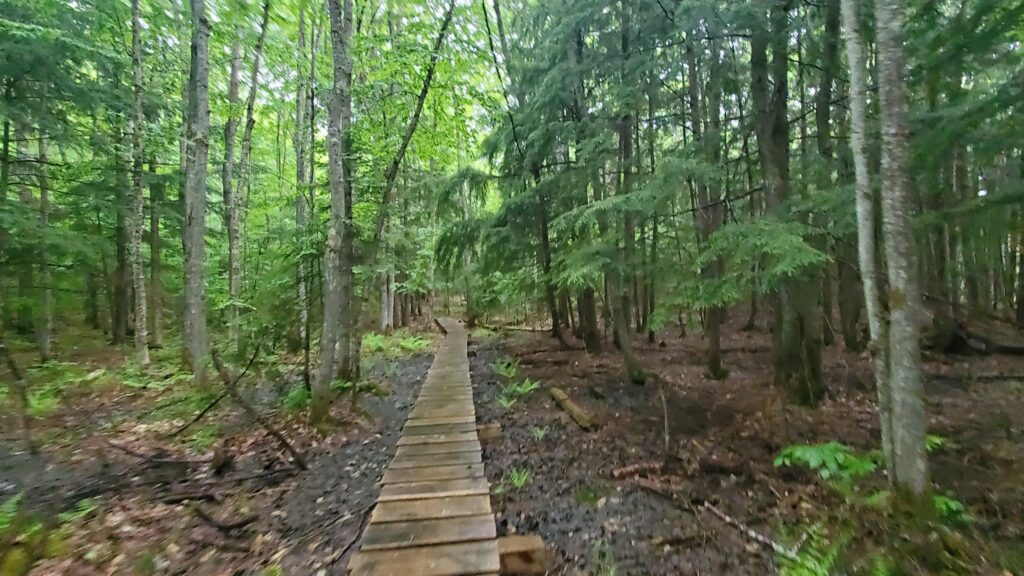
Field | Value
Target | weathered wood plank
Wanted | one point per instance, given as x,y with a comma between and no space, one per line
438,489
439,420
407,510
429,460
394,535
454,472
462,559
414,439
445,448
439,428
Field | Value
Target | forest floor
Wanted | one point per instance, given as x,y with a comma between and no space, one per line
107,445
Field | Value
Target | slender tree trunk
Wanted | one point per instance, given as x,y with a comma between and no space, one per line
46,294
6,316
350,337
196,335
156,202
910,460
136,218
122,272
301,209
228,192
236,207
866,224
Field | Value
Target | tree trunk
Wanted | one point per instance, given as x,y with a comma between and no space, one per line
6,317
826,149
340,102
195,194
136,217
238,200
122,273
228,191
46,294
910,460
156,202
866,225
797,317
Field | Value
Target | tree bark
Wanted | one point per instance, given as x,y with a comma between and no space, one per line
197,140
797,317
228,191
136,217
156,202
340,104
910,459
866,224
45,329
823,125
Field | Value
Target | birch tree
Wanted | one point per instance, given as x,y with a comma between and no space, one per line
136,216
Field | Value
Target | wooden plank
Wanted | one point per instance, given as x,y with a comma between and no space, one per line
439,428
444,448
442,411
438,489
429,460
452,472
441,420
523,555
406,510
461,559
414,439
394,535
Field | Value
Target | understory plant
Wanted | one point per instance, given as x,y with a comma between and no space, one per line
862,527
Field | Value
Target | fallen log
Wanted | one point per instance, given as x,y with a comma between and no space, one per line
578,414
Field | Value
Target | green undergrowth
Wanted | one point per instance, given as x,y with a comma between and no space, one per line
29,537
865,528
398,344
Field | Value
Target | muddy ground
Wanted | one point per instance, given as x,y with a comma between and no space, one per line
721,440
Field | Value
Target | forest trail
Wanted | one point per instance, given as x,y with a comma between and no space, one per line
433,516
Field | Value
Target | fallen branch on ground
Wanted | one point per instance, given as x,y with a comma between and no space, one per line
232,388
751,533
578,414
216,400
638,468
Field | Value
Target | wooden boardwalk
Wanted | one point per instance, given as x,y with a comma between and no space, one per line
433,516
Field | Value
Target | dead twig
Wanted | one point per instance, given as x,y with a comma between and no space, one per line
751,533
232,389
213,404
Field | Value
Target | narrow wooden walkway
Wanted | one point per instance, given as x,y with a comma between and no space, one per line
433,516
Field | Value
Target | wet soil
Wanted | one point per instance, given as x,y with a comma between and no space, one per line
719,448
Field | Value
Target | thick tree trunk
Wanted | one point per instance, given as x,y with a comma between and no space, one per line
136,217
910,459
826,148
797,316
340,105
156,265
197,138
